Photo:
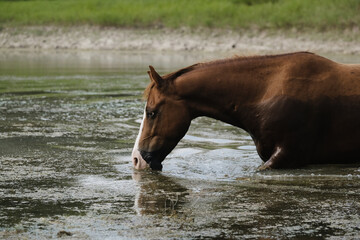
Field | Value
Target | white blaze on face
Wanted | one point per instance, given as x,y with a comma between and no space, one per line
138,161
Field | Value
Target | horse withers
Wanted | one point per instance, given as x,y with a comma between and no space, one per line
299,108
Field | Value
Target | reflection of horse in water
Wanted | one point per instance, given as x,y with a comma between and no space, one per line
299,108
158,194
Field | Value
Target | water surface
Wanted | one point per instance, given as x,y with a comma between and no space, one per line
68,121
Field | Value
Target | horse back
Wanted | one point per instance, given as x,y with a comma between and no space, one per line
311,77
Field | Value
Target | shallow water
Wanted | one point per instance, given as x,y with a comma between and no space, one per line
68,121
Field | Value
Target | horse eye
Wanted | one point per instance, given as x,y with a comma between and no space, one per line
151,114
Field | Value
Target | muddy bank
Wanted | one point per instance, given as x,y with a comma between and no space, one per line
253,41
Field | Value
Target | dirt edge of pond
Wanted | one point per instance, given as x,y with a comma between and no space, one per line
207,40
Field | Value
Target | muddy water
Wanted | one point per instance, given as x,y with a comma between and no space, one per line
68,121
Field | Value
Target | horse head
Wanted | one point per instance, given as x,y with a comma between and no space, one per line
165,122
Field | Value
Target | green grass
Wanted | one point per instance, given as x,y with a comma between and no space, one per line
263,14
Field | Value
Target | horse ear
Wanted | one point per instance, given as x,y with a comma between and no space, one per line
154,76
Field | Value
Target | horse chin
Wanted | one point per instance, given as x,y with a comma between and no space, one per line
156,166
154,159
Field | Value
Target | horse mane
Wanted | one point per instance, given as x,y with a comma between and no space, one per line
174,75
251,58
234,59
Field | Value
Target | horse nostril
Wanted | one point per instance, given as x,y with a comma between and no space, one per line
136,161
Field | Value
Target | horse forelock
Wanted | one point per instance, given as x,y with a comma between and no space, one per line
147,90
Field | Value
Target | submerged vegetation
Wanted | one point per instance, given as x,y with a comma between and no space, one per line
263,14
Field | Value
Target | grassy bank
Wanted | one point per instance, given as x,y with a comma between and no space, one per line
262,14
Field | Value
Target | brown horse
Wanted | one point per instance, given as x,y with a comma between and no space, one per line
299,108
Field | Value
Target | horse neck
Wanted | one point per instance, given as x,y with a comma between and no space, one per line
228,92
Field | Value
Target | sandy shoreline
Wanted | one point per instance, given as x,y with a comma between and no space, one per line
96,38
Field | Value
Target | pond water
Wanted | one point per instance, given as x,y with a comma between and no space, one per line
68,121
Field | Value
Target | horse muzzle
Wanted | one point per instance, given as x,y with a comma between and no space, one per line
138,161
153,159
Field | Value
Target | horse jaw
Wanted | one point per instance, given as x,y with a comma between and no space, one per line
137,159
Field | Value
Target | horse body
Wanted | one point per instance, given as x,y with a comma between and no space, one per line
299,108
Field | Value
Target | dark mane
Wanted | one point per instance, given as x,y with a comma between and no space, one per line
174,75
